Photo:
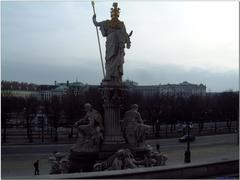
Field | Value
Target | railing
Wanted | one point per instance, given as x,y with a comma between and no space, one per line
209,128
19,135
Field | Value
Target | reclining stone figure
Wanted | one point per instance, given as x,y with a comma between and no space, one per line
122,159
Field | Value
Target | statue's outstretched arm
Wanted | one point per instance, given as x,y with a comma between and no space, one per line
95,21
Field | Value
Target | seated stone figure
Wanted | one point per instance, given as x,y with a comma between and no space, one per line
90,130
133,127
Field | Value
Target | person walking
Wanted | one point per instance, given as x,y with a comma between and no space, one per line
157,128
158,148
36,167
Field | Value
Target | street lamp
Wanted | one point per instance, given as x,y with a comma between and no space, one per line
41,118
26,115
31,116
187,154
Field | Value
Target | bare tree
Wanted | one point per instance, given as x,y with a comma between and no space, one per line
56,110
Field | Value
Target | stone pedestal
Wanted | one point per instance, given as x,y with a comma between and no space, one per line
113,138
112,133
82,156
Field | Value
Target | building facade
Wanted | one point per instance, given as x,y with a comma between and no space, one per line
184,89
46,92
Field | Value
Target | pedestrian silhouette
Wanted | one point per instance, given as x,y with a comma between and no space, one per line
157,128
158,148
36,167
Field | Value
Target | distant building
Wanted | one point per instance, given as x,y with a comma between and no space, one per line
61,89
18,93
46,92
146,91
78,88
183,89
13,88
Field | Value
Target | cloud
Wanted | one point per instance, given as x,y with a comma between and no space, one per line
170,73
88,72
171,42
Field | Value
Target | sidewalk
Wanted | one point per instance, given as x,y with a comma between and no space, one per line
22,164
19,165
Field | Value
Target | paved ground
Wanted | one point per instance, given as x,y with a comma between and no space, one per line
218,147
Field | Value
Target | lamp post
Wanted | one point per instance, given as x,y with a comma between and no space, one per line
238,126
187,157
26,118
5,119
26,114
30,129
42,121
187,154
41,118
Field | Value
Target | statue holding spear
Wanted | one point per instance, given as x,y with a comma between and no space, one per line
117,37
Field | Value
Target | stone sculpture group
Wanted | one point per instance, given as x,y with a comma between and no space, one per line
91,136
107,134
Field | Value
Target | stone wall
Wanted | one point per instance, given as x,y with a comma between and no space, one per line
186,171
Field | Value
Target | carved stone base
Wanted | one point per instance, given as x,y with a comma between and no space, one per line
82,162
109,149
139,153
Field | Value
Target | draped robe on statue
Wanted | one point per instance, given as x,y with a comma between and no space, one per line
115,44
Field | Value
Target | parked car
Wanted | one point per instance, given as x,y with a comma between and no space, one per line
179,127
186,137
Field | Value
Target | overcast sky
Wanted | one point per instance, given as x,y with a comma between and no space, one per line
172,42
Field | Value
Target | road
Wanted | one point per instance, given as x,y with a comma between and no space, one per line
164,143
200,141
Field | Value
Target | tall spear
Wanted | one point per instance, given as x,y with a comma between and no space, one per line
99,45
